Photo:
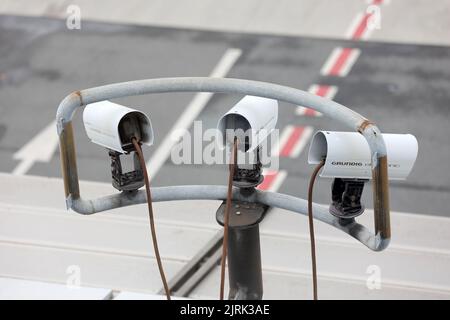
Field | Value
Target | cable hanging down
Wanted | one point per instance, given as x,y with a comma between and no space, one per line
138,149
311,227
232,167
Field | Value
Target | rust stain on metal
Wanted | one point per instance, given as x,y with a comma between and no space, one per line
79,95
363,126
381,197
68,161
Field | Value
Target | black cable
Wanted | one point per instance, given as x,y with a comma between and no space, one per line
233,161
311,227
137,146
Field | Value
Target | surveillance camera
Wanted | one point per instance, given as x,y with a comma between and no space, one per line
347,154
112,126
347,160
251,120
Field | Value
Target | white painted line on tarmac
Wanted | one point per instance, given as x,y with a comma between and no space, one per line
349,62
378,2
359,28
301,142
41,148
331,60
284,137
272,180
351,30
293,140
191,112
340,62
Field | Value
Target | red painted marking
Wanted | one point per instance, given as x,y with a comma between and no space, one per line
322,91
269,178
309,112
361,27
377,2
292,141
340,61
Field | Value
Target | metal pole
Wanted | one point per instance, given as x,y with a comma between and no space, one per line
244,263
244,253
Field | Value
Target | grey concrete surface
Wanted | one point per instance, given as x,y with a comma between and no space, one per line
417,21
40,240
403,88
406,21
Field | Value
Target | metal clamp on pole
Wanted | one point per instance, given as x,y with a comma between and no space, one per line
377,241
244,270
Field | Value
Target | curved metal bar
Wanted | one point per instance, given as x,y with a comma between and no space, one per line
208,192
330,108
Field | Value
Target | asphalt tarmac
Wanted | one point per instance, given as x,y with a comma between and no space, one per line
401,87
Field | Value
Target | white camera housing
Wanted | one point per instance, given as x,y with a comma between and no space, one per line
112,125
251,120
347,154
